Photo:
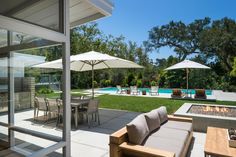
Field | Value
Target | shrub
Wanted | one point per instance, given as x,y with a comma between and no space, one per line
45,90
153,83
133,82
139,83
107,83
102,83
95,84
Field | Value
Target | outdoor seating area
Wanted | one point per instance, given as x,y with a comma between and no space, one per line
113,139
52,109
74,84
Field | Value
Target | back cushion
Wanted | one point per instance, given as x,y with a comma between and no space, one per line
162,114
153,120
137,130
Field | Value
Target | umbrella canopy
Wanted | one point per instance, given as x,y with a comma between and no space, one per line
187,64
91,61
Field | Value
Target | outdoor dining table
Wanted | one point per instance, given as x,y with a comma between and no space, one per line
76,104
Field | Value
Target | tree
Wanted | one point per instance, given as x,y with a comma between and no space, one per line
183,38
219,42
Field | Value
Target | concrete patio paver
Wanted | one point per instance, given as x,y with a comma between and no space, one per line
92,142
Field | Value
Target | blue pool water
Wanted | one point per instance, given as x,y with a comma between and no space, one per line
161,90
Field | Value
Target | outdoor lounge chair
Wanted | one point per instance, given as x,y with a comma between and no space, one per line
154,90
200,94
120,90
134,90
177,93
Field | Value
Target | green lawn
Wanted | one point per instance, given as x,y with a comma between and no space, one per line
145,104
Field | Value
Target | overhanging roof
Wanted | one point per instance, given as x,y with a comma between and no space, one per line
46,12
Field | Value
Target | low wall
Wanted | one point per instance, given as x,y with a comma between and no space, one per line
24,94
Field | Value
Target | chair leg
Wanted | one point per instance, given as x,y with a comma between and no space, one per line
98,118
88,121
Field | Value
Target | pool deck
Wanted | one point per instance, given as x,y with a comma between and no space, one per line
216,95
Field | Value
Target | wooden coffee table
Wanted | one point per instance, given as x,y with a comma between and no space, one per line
217,143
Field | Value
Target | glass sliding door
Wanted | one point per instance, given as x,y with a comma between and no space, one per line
33,32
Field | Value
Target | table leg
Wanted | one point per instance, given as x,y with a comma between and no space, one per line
76,117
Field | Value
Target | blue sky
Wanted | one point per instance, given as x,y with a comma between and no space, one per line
134,18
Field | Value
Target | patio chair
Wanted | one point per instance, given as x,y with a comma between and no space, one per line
134,90
120,90
60,111
91,111
154,90
52,107
177,93
200,94
40,105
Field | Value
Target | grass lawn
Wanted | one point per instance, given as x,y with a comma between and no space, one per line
145,104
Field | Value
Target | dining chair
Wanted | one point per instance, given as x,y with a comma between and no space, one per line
52,107
92,110
40,105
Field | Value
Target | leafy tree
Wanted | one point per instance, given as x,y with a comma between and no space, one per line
184,39
219,42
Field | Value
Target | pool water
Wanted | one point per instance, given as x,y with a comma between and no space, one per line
161,90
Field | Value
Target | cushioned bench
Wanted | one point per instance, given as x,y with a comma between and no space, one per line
153,134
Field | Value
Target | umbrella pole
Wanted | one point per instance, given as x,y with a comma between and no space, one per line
92,82
187,71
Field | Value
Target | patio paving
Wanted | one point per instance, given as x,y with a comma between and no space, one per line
92,142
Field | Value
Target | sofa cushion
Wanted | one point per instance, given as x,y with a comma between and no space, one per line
162,114
167,144
137,130
153,120
178,125
170,133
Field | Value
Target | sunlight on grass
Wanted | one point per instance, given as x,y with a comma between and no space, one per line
145,104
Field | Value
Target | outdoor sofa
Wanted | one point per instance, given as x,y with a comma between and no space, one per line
153,134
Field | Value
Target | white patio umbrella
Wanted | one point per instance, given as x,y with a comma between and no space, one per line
187,64
91,61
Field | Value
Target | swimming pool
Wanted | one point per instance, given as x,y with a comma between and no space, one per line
112,90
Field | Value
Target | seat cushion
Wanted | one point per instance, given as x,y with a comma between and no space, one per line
169,133
167,144
178,125
153,120
162,114
137,130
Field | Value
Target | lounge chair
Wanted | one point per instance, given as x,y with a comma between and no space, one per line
177,93
200,94
154,90
120,90
134,90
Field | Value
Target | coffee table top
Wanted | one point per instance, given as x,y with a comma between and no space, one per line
217,143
